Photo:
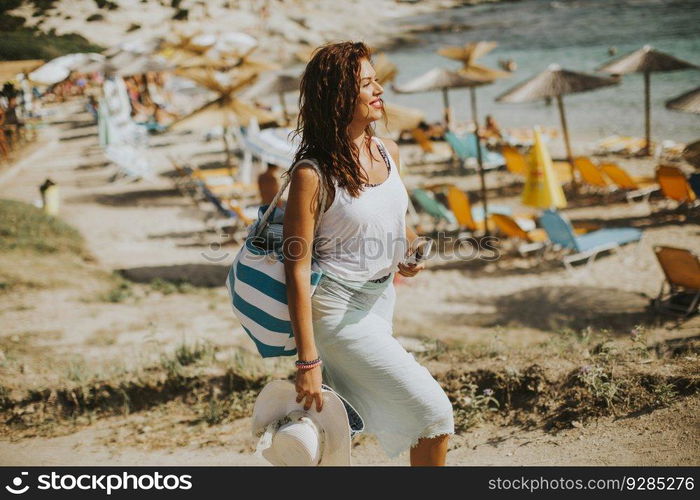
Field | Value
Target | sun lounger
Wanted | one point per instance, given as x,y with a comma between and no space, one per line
674,185
465,150
422,140
516,163
469,218
131,161
534,240
233,214
490,159
591,175
681,268
586,246
459,204
617,144
432,207
634,187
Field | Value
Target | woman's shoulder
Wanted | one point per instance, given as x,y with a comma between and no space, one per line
304,177
391,147
305,173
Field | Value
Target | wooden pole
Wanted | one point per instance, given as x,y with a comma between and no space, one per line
480,160
285,116
226,149
446,107
647,112
567,142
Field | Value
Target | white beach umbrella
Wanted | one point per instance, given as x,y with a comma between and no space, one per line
58,69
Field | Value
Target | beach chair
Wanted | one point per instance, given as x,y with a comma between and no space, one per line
465,149
459,204
591,175
422,140
458,148
470,218
533,240
681,268
516,163
490,159
232,214
586,246
131,161
622,145
439,212
634,187
674,185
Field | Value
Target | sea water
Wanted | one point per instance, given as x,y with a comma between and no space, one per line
577,35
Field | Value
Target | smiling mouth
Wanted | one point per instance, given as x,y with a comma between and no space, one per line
377,103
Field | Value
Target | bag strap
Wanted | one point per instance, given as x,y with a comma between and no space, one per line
273,204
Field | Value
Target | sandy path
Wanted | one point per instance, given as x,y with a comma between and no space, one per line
668,436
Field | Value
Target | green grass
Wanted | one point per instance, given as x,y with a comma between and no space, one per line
27,228
30,43
38,250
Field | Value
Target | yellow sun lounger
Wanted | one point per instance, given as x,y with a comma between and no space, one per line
591,175
533,240
516,163
422,139
635,187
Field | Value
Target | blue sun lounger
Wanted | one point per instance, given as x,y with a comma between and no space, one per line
465,149
585,246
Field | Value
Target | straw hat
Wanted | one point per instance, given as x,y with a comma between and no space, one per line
290,435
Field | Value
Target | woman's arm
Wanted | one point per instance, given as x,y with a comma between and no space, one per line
298,233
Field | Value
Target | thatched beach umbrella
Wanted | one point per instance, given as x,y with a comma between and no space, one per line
279,83
439,79
556,82
688,103
468,54
226,110
646,60
137,65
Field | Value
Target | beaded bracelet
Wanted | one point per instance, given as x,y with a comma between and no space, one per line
307,365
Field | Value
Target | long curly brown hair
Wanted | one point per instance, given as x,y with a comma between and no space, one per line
329,90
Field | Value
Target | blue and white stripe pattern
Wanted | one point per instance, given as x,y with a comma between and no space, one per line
256,285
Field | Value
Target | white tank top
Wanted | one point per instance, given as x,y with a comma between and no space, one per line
364,238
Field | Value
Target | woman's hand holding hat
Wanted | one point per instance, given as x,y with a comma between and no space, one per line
308,387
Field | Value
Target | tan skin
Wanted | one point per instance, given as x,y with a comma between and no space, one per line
299,224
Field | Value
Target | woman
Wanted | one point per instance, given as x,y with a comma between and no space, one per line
362,238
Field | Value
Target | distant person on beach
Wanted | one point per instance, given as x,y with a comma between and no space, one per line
345,328
491,130
269,184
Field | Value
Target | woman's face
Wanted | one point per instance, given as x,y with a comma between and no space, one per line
369,106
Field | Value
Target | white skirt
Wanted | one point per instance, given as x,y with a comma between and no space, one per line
398,399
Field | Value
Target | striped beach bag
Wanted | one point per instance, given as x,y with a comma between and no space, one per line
256,281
